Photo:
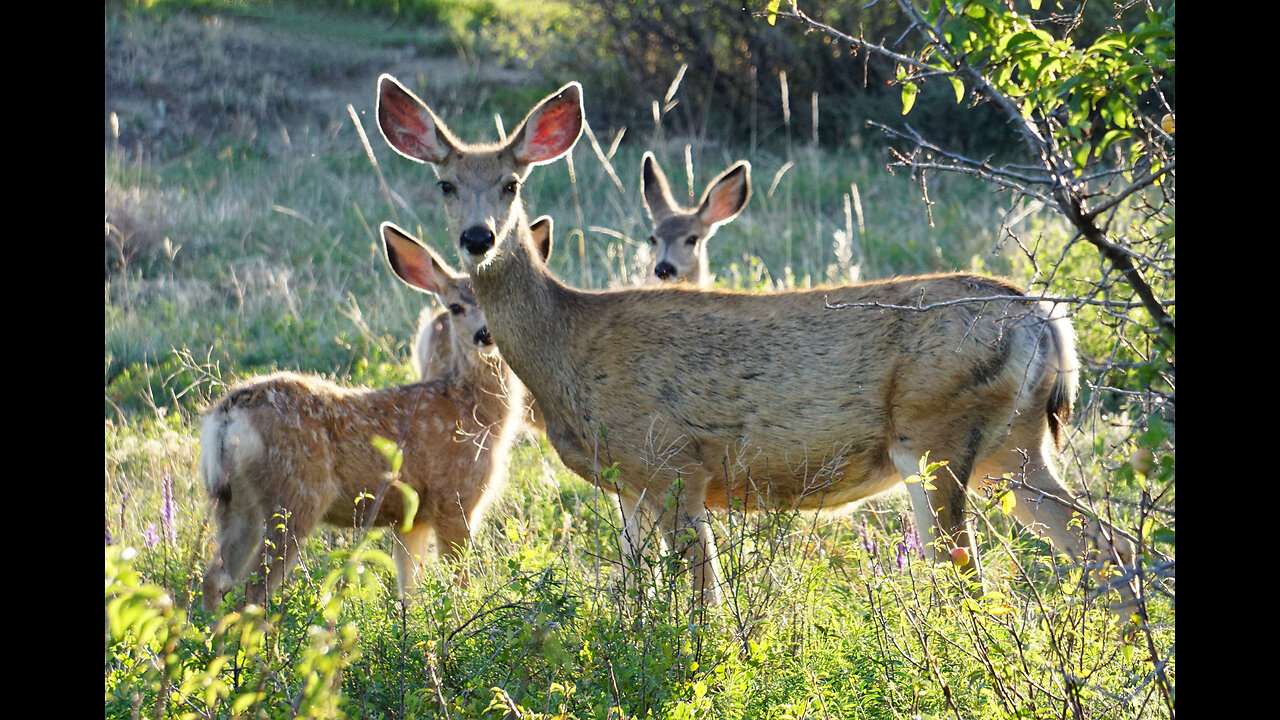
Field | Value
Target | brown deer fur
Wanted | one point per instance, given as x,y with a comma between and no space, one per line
433,355
699,396
299,446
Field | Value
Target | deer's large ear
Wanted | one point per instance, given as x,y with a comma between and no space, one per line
727,195
551,129
541,230
414,263
408,124
654,189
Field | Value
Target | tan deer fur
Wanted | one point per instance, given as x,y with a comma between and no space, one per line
434,355
699,396
678,243
284,452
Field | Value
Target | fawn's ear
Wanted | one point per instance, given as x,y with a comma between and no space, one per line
654,189
541,229
551,129
726,195
408,124
414,263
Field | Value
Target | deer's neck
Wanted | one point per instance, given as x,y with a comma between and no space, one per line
526,311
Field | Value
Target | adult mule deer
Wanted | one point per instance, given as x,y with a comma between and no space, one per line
281,453
699,397
679,238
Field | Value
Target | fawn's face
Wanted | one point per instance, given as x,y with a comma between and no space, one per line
420,268
678,243
466,318
480,184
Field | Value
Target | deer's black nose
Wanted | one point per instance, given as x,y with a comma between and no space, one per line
477,240
665,271
482,337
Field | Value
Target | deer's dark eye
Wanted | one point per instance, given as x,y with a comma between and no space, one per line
446,187
512,187
653,239
691,240
455,308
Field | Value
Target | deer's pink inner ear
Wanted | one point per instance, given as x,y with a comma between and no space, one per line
411,263
408,125
555,131
726,199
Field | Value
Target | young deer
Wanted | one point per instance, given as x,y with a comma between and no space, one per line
434,355
284,452
680,234
702,397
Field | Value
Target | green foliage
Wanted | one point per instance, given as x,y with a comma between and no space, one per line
1090,92
160,660
841,616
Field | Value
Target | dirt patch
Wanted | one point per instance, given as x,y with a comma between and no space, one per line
195,82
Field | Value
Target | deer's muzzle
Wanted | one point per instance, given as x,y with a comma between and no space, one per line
476,240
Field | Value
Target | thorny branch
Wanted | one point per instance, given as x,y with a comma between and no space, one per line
984,299
1064,192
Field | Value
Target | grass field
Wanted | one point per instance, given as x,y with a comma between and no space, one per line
245,180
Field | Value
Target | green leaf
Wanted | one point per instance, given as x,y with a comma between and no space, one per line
1111,137
390,451
410,505
1028,40
1045,73
959,88
243,702
909,91
1107,44
1081,155
1008,501
772,9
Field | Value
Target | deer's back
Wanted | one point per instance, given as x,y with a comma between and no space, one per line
778,383
316,441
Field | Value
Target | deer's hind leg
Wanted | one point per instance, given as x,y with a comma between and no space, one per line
453,537
682,517
241,526
939,512
287,531
411,550
1043,506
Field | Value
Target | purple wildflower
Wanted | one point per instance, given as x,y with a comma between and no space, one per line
910,542
868,542
871,546
166,507
107,523
912,537
149,536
